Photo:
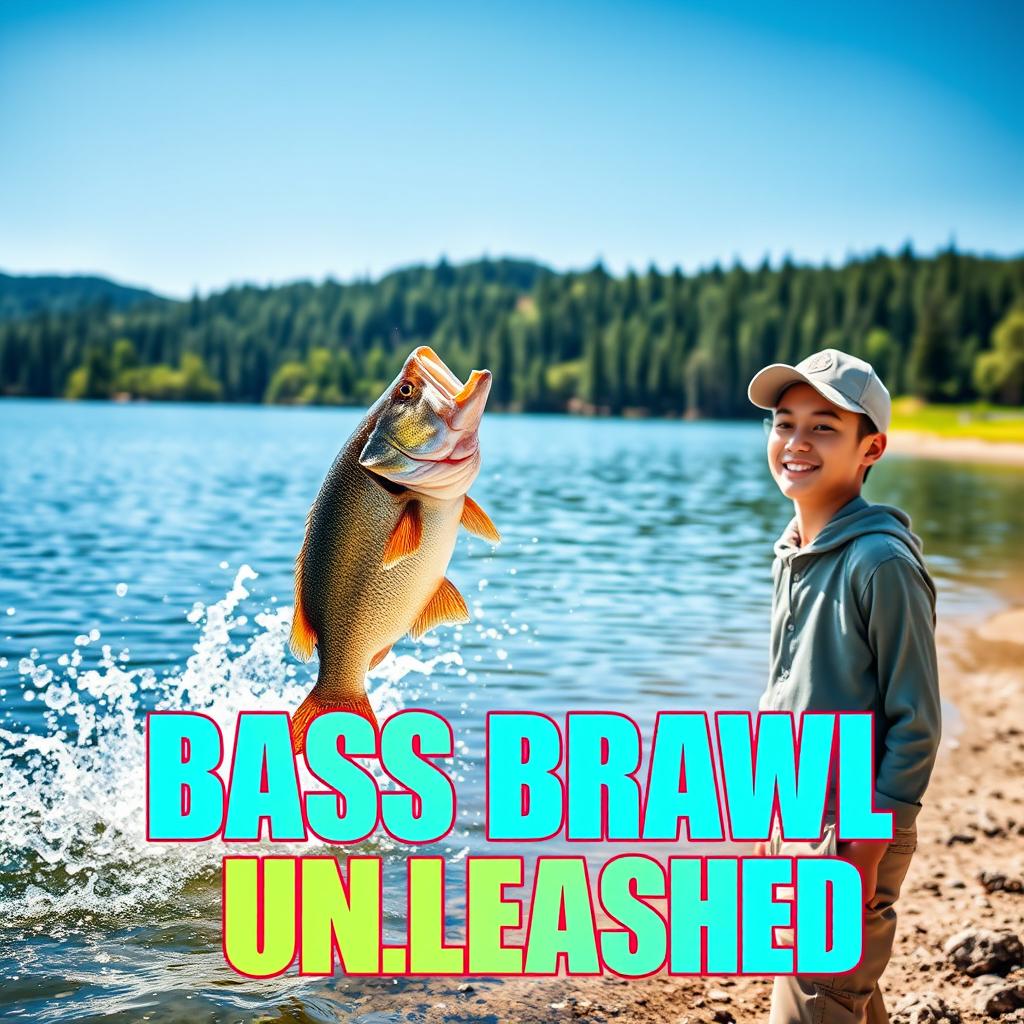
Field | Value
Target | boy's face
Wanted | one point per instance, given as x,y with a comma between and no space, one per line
815,452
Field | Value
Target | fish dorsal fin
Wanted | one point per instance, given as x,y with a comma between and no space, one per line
406,536
303,638
446,607
380,656
477,521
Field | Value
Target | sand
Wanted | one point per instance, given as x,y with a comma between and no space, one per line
955,449
972,822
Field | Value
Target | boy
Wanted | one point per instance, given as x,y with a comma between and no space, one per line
852,629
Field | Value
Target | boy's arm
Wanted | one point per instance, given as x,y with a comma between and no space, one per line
901,632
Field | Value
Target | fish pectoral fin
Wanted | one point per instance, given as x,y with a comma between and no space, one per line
380,656
315,705
446,607
478,522
303,637
406,536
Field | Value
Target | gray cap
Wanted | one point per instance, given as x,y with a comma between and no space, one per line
843,379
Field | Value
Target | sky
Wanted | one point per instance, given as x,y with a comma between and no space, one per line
191,145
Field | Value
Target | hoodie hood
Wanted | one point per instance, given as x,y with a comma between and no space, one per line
854,519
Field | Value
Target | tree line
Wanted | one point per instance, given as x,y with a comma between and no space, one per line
948,327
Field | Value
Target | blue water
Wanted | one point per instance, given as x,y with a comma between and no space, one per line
147,558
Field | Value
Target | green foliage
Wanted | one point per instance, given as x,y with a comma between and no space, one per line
119,375
94,378
661,344
325,378
999,374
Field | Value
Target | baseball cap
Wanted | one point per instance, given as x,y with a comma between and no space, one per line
844,380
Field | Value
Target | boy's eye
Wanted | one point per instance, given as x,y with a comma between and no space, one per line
824,426
783,425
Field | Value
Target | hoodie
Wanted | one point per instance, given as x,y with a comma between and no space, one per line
853,629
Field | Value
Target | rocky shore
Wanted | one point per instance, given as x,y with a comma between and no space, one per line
958,957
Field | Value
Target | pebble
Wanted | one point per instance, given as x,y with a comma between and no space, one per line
924,1008
996,881
977,951
996,996
960,837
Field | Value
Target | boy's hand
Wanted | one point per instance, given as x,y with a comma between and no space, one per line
864,855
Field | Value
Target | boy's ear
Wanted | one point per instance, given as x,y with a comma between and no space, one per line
875,449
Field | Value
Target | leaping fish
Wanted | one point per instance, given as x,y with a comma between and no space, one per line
382,531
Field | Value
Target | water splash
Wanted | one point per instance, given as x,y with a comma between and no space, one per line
72,832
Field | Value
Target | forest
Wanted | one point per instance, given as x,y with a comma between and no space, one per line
946,328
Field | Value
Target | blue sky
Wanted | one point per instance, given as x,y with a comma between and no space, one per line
190,145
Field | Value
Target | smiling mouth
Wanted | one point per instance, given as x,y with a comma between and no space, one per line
799,468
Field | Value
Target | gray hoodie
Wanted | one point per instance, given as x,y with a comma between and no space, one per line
853,629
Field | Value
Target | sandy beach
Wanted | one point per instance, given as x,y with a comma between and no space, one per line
967,875
955,449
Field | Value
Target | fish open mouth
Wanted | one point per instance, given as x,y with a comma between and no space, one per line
433,368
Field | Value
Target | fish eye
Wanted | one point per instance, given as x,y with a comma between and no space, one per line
405,389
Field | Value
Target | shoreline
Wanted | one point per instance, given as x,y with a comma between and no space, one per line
901,442
920,444
969,834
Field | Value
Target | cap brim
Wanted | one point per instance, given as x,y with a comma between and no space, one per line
769,383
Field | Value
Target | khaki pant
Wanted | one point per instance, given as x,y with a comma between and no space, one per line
852,998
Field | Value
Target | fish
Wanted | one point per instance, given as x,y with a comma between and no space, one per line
372,566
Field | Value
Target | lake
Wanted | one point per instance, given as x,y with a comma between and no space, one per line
147,560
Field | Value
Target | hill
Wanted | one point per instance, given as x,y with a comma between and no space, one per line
24,295
946,328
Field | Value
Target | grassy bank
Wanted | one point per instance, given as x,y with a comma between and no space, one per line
977,421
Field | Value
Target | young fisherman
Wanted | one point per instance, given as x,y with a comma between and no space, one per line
852,629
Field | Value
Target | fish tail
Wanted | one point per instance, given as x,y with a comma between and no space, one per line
315,705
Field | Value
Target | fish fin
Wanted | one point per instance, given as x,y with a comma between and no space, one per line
315,705
446,607
406,536
303,638
477,521
380,656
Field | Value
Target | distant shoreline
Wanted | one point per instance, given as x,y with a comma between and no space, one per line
917,443
956,449
914,443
